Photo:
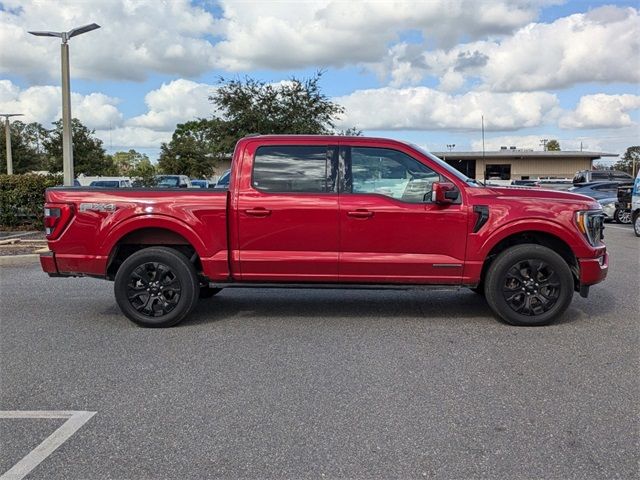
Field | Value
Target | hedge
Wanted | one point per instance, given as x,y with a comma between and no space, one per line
22,199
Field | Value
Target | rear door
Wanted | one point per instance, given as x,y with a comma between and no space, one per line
287,211
391,232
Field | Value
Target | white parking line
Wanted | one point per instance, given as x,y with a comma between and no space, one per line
628,229
75,420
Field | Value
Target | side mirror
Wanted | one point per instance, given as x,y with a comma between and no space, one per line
443,193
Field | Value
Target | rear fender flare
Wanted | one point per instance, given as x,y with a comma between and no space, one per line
153,221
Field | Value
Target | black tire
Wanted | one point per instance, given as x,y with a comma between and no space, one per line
156,287
636,223
208,292
529,285
622,216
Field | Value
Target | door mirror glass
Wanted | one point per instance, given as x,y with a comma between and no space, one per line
444,193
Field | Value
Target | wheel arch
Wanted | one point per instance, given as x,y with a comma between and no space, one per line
536,237
140,234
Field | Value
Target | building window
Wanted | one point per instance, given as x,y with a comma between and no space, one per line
497,172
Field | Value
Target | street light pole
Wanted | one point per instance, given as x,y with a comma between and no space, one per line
67,146
67,138
7,132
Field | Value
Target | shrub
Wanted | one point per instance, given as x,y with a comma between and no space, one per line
22,199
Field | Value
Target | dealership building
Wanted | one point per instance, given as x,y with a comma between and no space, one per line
514,164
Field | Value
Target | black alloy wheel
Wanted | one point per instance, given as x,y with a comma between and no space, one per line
529,285
156,287
153,289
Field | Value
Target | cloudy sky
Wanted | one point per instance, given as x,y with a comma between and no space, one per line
424,71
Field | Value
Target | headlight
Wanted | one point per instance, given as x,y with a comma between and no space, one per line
591,225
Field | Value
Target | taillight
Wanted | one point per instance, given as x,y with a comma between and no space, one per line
56,217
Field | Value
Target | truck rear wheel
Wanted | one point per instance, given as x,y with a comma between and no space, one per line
156,287
529,285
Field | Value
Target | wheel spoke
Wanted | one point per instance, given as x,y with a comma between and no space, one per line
531,287
153,289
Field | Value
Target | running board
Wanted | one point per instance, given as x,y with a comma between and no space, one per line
338,286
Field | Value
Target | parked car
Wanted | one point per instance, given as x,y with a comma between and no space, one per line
326,211
608,207
200,183
525,183
623,205
173,181
597,190
223,181
588,176
635,206
111,184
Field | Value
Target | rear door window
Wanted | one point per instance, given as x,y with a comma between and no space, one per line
293,169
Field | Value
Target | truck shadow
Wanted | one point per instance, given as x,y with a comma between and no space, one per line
435,306
335,304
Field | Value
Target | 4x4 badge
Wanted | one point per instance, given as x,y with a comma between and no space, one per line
97,207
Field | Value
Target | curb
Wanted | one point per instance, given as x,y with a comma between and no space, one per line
15,260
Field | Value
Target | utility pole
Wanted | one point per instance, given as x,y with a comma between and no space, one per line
7,132
67,147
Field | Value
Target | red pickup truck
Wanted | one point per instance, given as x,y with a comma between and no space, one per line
329,212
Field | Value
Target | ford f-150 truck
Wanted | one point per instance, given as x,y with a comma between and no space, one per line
329,212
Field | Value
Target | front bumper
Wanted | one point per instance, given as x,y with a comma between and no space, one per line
593,270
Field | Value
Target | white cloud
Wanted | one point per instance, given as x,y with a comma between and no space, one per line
282,35
602,45
594,142
602,111
422,108
175,102
43,104
126,137
136,37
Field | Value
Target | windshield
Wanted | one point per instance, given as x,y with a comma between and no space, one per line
168,181
456,173
224,179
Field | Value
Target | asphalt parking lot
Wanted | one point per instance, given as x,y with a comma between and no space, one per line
324,384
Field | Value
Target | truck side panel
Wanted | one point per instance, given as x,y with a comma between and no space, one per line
103,218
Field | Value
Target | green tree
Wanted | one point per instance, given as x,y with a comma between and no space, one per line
135,165
88,155
26,152
553,146
249,106
195,148
630,157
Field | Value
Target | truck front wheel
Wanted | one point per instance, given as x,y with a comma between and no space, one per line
156,287
636,223
529,285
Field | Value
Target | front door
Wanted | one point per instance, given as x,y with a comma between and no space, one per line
391,232
288,214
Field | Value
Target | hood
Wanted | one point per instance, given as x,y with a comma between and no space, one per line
520,194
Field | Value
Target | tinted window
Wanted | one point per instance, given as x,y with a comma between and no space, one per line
599,175
287,169
390,173
105,183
